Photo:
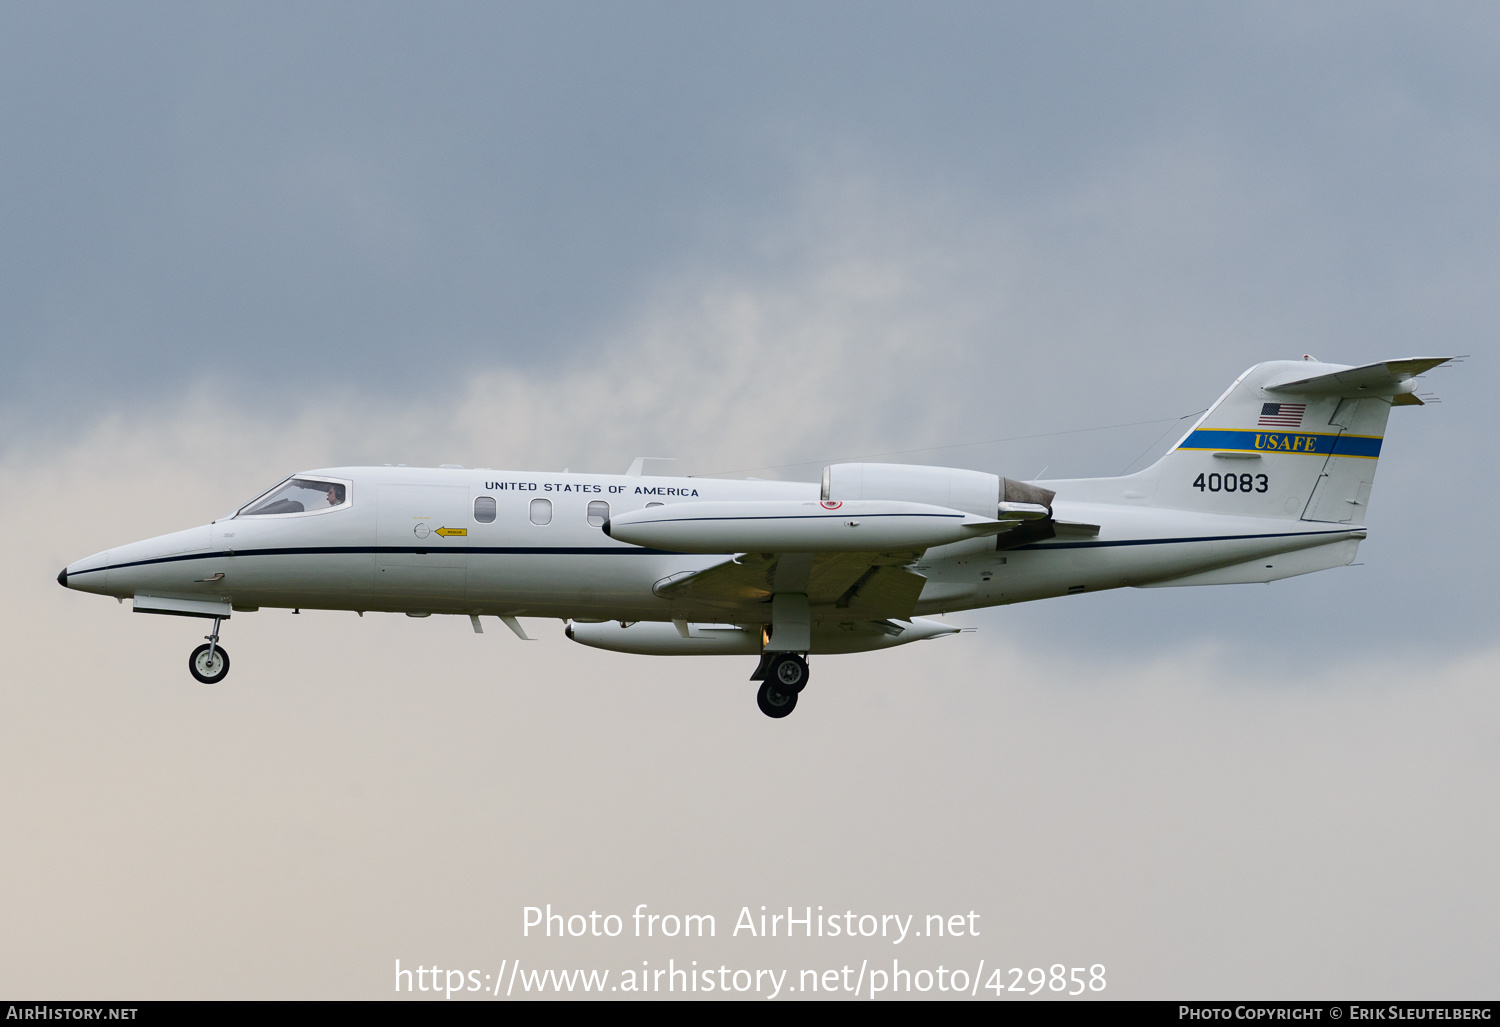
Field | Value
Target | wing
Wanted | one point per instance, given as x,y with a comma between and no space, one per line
867,585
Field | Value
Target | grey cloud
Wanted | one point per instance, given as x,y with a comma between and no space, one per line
387,200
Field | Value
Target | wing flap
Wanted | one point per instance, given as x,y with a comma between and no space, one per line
883,592
745,579
873,584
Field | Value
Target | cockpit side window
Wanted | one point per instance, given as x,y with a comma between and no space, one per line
299,495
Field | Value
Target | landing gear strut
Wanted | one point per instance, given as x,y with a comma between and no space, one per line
783,676
209,663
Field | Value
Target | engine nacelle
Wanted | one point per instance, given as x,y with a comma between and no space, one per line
954,487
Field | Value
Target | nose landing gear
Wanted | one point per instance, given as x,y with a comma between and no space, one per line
783,676
209,663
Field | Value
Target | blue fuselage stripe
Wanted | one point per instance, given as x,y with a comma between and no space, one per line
789,517
633,550
415,550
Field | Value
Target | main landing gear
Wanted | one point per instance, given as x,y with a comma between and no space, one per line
209,663
782,677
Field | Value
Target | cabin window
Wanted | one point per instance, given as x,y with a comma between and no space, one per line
541,511
650,505
484,509
598,512
299,495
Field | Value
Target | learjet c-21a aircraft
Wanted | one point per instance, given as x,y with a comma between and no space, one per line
1272,481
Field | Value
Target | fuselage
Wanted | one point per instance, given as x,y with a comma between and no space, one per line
478,541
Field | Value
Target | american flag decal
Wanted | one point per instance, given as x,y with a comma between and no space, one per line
1281,415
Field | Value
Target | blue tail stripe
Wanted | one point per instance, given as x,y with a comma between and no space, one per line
1367,446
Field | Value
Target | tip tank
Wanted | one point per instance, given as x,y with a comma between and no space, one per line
679,638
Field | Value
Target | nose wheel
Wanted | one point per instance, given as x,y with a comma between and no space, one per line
785,676
209,663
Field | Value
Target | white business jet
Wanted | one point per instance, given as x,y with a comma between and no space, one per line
1271,482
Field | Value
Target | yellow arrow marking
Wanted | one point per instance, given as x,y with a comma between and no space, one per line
445,532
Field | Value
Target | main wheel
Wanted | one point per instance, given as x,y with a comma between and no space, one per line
209,670
789,671
774,702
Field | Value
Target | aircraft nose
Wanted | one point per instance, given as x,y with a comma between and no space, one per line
62,577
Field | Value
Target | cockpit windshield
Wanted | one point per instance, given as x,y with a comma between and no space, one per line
299,495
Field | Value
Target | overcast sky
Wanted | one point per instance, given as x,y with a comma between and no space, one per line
240,240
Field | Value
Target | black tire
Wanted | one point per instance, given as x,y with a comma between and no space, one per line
773,702
789,671
209,674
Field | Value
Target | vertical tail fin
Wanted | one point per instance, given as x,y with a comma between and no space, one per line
1289,439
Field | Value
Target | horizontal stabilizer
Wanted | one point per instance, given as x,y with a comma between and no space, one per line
1388,378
